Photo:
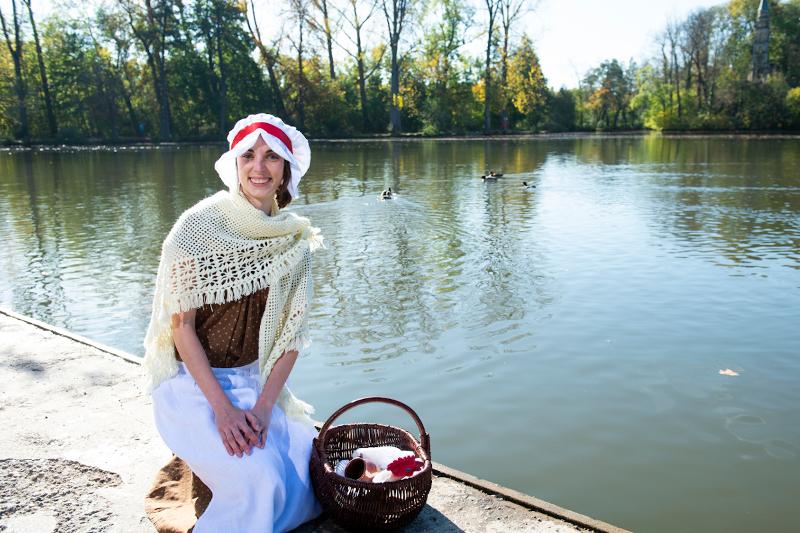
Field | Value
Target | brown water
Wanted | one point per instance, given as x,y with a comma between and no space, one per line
564,341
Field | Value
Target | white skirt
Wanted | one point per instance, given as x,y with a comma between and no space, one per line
269,490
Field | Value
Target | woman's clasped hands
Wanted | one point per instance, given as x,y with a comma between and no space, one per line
242,429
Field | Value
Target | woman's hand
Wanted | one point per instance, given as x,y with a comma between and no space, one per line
235,430
259,418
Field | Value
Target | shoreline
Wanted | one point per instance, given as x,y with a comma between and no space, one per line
58,373
131,144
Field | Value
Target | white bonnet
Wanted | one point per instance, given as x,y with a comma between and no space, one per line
284,140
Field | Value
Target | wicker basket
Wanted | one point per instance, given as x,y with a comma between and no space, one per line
360,505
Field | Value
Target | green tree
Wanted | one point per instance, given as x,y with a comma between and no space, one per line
527,86
561,115
154,23
611,90
51,118
395,13
439,64
793,107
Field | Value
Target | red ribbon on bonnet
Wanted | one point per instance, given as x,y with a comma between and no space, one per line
275,131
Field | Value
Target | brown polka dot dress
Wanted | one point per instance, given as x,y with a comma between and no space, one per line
229,332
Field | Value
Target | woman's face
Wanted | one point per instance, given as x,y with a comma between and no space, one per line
260,174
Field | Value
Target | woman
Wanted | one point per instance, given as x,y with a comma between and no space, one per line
229,316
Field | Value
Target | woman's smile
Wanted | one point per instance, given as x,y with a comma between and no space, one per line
260,180
260,174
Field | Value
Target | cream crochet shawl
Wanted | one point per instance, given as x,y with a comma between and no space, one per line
220,250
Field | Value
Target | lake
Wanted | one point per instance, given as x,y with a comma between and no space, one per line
565,341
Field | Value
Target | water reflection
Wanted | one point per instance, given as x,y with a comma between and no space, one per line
442,256
600,305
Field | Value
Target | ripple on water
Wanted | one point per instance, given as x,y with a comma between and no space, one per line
607,295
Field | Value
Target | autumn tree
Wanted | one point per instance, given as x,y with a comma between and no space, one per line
511,11
527,86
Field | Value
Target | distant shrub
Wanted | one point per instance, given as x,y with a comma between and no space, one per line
793,106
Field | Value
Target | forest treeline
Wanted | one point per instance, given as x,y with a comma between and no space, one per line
186,69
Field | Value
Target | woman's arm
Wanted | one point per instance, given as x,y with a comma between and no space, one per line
269,394
233,427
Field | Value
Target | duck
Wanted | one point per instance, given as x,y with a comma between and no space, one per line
386,195
489,176
528,186
494,174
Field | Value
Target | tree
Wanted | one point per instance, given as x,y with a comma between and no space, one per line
268,57
527,87
611,90
510,13
561,111
113,28
357,22
395,12
492,6
443,102
48,102
15,50
327,31
300,14
793,105
151,23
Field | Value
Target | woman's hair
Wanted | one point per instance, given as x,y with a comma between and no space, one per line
282,195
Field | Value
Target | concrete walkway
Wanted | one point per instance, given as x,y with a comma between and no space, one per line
78,449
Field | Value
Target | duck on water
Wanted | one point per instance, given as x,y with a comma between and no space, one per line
492,175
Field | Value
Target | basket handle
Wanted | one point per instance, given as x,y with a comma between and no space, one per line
425,440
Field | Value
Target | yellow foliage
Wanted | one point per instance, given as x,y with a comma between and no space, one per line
478,92
793,102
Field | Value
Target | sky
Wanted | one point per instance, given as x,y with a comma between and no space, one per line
573,36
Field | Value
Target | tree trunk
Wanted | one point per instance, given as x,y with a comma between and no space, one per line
23,131
129,106
362,82
165,116
504,77
269,61
301,111
677,82
276,88
212,82
328,37
48,102
487,84
223,87
19,81
394,113
394,23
